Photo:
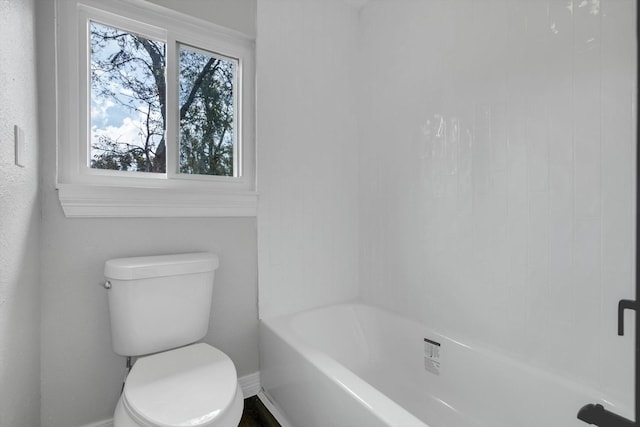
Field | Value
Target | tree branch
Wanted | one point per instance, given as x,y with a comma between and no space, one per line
196,85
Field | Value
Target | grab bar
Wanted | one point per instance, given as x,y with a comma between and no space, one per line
623,305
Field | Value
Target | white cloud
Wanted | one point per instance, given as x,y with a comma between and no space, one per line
130,131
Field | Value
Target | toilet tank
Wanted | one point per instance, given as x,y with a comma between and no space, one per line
158,303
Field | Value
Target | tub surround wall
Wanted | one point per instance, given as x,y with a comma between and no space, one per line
497,176
495,156
307,154
19,219
81,376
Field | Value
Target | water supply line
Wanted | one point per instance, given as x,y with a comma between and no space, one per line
597,414
126,374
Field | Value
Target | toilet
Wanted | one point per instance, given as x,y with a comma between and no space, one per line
159,307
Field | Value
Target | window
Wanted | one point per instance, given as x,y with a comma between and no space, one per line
155,113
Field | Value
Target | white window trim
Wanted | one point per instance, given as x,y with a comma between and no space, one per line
90,193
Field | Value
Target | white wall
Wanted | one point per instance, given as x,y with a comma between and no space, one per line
239,15
81,376
307,154
497,176
19,220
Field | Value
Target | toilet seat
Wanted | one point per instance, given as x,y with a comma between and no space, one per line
193,386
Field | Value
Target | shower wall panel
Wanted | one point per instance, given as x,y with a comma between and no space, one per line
497,175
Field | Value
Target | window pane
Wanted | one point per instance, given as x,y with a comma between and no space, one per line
207,128
128,93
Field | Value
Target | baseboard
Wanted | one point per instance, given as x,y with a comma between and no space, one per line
273,408
103,423
250,385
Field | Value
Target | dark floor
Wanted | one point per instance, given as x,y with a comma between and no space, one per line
255,414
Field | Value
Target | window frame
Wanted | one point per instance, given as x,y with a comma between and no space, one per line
88,192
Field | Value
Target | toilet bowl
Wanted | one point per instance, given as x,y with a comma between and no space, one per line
192,386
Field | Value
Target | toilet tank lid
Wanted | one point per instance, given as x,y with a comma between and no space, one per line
160,265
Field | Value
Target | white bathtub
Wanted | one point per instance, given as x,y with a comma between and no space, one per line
355,365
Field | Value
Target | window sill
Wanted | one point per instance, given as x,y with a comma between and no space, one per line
92,201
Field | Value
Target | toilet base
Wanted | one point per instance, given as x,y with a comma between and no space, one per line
231,418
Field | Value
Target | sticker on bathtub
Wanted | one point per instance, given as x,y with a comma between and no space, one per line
432,356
